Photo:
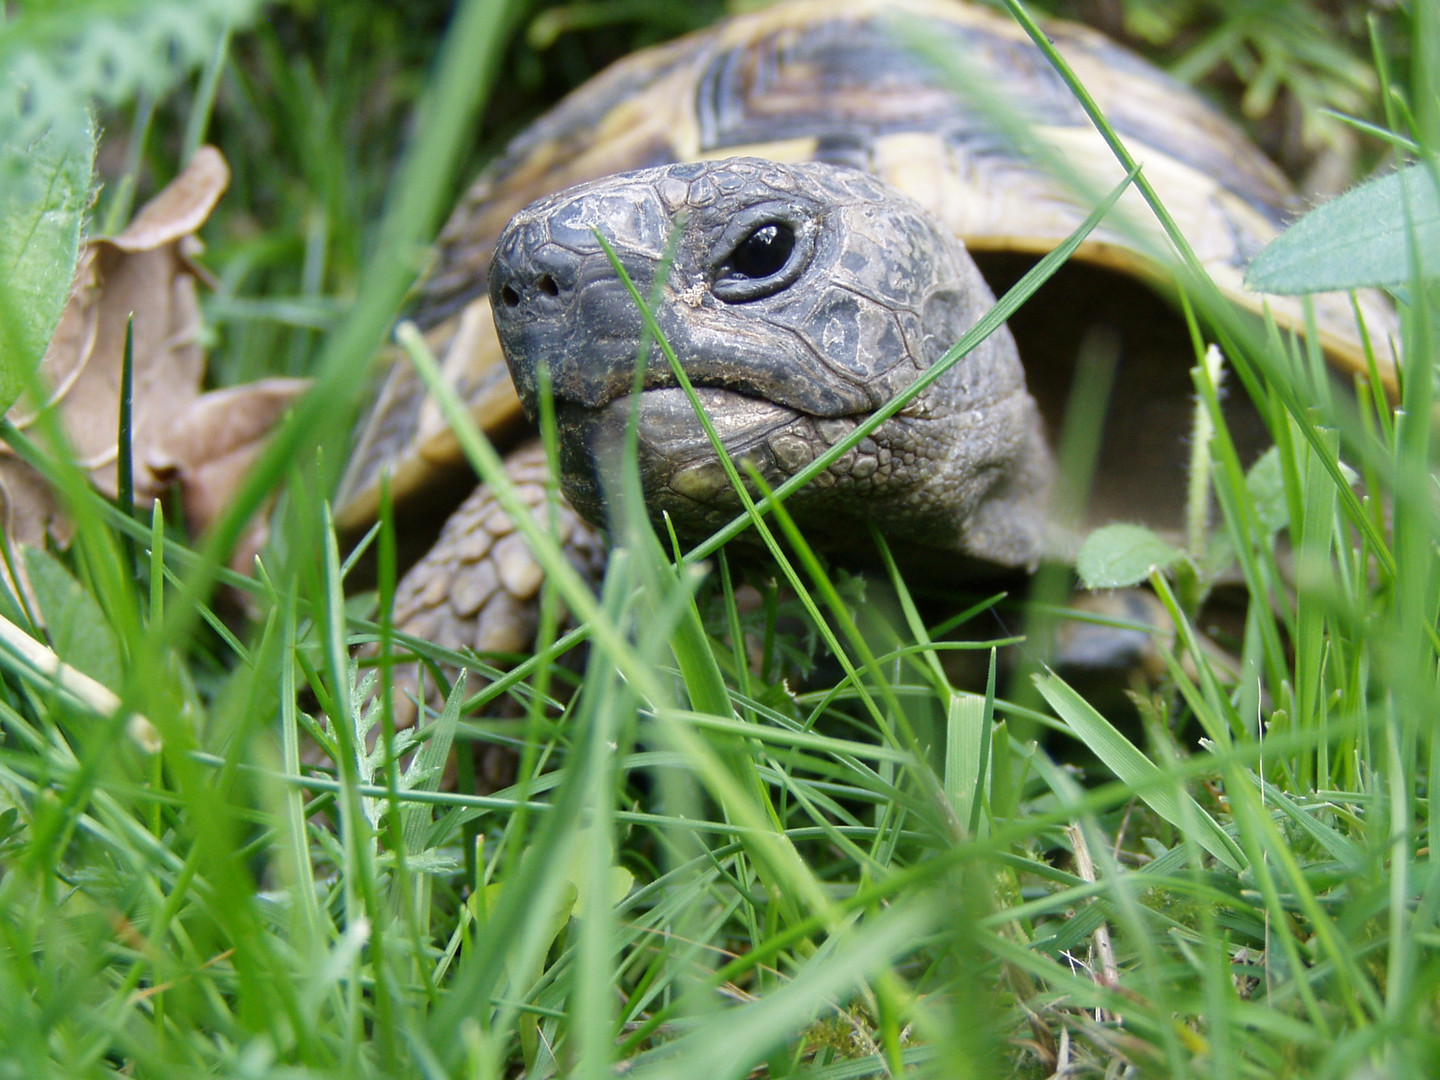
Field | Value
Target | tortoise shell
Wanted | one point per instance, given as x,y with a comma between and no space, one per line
833,81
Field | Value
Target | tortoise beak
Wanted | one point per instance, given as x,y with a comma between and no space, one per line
540,306
558,303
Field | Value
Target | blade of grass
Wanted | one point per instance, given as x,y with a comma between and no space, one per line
1135,770
1190,273
464,72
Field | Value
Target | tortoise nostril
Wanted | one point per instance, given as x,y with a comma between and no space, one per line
547,285
509,297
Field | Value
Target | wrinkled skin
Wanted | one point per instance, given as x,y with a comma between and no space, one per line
800,298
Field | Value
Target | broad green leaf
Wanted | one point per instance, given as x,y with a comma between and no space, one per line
620,881
57,62
1361,239
1266,484
1137,771
74,621
39,242
1117,556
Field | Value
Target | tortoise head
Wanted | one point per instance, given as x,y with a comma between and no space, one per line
798,299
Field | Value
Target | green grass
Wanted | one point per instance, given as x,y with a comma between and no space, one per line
707,864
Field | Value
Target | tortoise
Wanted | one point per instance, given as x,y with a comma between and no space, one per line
831,198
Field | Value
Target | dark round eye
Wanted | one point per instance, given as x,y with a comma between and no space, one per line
763,253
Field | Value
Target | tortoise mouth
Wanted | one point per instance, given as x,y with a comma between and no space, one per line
670,426
680,473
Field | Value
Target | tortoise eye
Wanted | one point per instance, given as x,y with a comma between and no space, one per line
764,252
762,263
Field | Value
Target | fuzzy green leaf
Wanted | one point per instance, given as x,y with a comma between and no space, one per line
39,242
74,621
1266,483
1362,239
1117,556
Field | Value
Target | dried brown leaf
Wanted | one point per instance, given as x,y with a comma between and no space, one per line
146,271
29,515
210,445
180,209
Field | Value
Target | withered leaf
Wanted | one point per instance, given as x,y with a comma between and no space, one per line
146,271
210,445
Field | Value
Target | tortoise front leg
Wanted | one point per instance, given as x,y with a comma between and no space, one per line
478,588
